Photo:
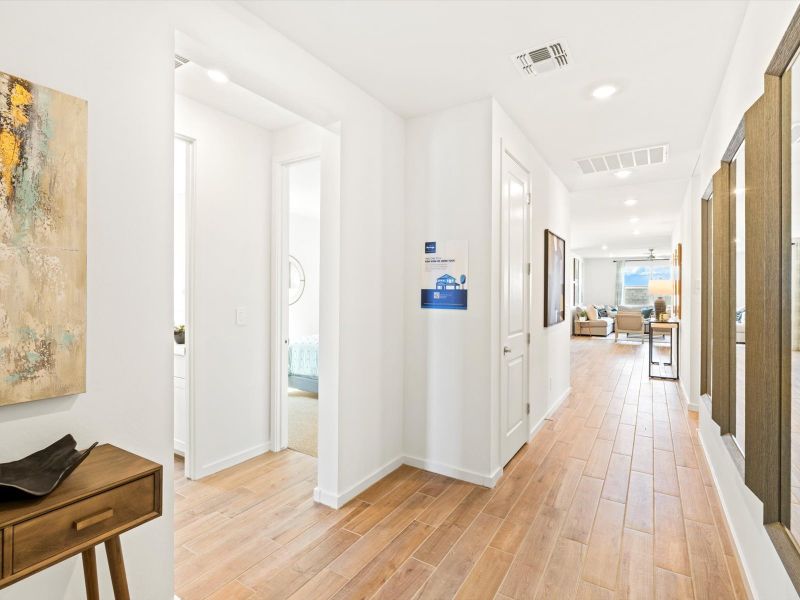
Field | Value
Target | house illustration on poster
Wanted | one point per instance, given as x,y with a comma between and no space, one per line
447,282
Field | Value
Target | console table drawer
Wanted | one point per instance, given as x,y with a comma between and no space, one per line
87,521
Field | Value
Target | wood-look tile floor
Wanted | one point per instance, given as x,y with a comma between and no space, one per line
611,499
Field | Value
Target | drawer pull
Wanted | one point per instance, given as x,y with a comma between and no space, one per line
94,519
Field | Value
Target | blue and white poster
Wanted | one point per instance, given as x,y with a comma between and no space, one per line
444,275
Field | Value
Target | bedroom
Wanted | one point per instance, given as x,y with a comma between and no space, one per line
303,191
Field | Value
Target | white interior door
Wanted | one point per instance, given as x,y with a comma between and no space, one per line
514,336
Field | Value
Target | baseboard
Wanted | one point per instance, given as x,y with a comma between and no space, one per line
232,460
455,472
339,500
746,574
179,447
556,405
692,406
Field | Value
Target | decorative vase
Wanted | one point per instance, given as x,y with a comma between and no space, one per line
180,337
661,307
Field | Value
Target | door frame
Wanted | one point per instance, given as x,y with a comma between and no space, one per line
189,270
278,294
506,154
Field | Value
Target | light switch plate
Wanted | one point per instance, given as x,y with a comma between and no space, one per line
241,315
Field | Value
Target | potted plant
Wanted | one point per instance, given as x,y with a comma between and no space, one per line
582,316
180,334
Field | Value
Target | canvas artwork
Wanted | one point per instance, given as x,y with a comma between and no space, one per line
555,258
43,146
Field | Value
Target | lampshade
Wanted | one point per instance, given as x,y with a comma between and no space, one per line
660,287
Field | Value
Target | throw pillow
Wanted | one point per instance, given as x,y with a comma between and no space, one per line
601,311
591,312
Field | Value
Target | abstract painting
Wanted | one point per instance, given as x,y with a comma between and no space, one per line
555,261
43,145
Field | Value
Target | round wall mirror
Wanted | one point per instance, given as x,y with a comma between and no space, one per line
297,280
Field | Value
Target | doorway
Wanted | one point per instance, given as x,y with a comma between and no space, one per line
301,189
182,201
514,306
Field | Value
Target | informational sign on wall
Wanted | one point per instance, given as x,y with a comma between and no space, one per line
444,275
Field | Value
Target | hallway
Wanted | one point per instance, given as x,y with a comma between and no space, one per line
611,499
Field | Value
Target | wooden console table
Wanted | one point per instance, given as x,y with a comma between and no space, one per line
111,492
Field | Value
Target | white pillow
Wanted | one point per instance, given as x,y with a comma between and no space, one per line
591,312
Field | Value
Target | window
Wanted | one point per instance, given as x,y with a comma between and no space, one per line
636,276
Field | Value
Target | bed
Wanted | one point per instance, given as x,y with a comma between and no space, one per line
304,364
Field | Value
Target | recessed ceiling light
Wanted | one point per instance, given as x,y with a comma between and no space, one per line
635,232
633,220
217,76
604,91
630,202
622,174
603,247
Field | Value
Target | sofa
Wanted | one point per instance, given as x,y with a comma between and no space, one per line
601,326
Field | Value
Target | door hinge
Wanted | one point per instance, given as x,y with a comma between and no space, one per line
529,197
528,408
529,338
529,268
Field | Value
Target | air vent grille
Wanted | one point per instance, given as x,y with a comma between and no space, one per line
536,61
626,159
180,60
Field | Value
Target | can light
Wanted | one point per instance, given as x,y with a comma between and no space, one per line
217,76
604,92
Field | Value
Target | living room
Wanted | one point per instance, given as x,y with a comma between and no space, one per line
618,297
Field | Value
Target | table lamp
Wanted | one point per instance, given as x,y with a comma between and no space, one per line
660,288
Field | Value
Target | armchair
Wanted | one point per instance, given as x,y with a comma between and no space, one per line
628,323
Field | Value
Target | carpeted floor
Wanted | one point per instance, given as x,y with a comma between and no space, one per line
303,422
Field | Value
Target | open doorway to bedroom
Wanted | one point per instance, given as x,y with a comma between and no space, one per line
302,200
262,223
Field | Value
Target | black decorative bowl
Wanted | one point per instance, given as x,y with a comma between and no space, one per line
41,472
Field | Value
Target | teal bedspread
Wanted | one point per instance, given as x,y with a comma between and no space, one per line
304,356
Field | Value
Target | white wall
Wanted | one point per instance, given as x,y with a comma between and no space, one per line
684,234
448,353
762,29
303,139
453,170
128,401
231,245
599,281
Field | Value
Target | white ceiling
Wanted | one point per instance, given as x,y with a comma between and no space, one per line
601,218
667,59
192,80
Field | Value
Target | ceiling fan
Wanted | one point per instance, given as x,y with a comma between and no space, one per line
652,255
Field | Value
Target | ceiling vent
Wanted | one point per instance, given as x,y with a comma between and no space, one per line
180,60
627,159
552,57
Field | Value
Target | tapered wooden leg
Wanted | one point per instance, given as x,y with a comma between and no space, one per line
90,574
117,567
